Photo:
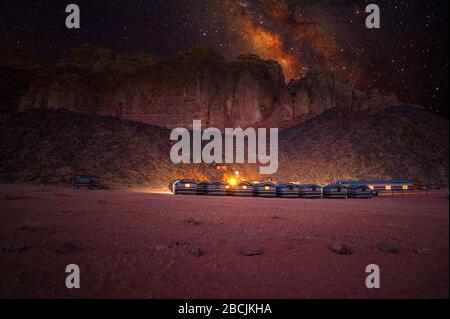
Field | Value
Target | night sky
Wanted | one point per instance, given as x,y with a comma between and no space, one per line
407,56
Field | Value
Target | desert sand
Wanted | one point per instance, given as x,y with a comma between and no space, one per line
137,244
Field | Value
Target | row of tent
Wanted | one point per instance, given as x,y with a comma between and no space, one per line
267,189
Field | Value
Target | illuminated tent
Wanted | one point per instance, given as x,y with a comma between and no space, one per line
185,187
242,188
265,190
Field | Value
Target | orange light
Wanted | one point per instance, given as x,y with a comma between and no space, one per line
232,181
371,187
227,187
405,187
244,187
267,188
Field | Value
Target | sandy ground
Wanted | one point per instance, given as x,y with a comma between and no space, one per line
140,245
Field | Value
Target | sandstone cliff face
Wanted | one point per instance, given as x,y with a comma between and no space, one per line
198,84
321,90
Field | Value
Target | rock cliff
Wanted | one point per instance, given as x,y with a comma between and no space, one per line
197,84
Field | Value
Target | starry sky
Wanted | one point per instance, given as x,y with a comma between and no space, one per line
407,56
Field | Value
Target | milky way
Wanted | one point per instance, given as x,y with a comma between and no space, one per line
294,33
407,56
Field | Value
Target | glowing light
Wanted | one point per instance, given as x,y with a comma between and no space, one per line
267,188
405,187
187,185
371,187
388,187
227,187
232,181
244,187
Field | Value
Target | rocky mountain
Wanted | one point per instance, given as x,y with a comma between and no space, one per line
197,84
50,146
108,114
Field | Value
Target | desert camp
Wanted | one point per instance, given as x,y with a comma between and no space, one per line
341,189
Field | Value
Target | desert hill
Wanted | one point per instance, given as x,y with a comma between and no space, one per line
49,146
399,142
